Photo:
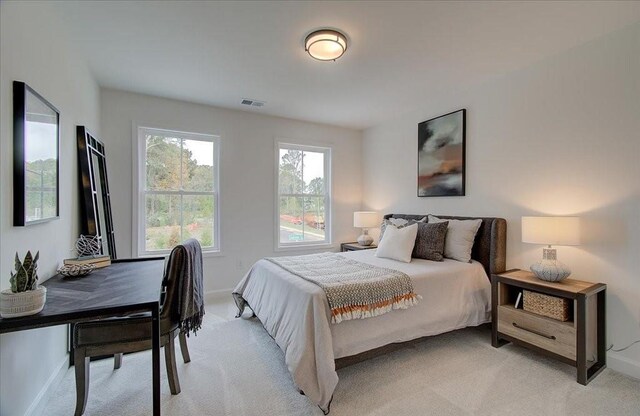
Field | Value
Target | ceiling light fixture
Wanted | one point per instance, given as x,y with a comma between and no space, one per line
326,44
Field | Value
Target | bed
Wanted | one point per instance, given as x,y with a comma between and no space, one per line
296,314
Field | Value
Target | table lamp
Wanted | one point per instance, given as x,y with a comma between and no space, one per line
563,231
365,220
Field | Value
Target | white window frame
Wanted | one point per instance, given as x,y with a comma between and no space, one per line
139,181
279,246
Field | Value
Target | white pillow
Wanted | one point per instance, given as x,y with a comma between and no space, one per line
398,243
398,222
460,237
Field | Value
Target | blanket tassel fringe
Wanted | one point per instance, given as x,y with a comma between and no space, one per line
344,313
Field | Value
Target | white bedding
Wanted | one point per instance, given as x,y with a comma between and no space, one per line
296,314
454,295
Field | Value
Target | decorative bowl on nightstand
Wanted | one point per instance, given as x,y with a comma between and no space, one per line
550,270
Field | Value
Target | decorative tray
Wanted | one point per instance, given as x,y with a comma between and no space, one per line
76,270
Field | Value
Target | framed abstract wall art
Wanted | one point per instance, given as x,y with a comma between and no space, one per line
441,155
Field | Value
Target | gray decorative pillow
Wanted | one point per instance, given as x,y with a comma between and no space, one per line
398,223
430,241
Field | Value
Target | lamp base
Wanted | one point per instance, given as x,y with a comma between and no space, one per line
365,239
550,270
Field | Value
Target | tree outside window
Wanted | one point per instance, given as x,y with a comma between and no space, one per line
180,197
304,196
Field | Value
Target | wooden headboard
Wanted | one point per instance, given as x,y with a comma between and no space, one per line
490,246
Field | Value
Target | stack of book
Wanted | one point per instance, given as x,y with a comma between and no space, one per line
98,261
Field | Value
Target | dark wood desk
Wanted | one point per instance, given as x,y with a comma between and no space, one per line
125,287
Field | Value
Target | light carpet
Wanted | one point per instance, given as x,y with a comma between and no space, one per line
237,369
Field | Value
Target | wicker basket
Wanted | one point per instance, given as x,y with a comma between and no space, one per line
545,305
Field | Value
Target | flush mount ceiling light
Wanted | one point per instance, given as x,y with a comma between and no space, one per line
325,45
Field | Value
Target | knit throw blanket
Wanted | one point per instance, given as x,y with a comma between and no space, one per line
354,290
191,292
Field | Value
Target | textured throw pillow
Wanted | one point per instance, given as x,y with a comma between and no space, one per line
460,237
398,243
399,223
430,241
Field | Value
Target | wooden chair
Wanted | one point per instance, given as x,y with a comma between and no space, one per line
131,334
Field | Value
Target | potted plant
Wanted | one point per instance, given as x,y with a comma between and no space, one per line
25,296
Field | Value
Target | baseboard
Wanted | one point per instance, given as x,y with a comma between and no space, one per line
220,294
623,365
37,406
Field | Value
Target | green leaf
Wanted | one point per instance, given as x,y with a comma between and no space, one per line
22,279
28,259
26,276
12,281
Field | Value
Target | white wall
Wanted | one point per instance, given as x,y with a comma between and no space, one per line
247,173
34,49
561,137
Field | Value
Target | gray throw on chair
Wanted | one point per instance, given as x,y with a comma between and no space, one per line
191,295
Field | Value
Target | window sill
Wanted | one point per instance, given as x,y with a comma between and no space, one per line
307,247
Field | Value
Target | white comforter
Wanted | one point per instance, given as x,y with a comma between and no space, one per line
296,314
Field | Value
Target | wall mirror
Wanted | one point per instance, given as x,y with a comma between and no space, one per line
95,200
36,134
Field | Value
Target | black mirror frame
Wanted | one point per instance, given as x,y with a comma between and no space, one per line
89,145
19,164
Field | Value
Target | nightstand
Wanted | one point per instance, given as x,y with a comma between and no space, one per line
355,246
579,341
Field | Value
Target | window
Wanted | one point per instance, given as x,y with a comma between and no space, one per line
178,190
304,195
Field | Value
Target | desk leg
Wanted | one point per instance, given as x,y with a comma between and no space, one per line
155,341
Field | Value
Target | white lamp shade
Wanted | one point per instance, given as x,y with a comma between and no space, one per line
365,219
563,231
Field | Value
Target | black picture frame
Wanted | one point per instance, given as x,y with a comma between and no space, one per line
35,181
442,155
95,198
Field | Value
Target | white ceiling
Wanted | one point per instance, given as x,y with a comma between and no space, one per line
399,53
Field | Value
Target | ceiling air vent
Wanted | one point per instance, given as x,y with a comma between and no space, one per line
252,103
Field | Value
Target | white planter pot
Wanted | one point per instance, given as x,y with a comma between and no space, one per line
26,303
